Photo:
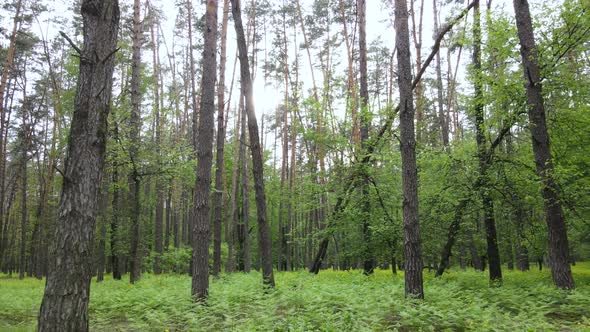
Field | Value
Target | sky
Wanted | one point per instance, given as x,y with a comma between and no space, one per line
267,97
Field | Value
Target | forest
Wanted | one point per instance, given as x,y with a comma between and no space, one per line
294,165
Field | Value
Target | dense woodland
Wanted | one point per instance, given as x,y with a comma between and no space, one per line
127,149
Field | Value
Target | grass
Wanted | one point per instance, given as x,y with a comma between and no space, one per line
330,301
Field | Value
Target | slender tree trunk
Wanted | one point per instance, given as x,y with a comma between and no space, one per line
23,224
193,72
231,261
4,79
556,226
219,162
451,238
115,257
159,179
134,137
493,253
369,263
442,119
264,242
200,284
412,246
67,289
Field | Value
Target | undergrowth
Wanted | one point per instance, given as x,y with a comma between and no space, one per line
330,301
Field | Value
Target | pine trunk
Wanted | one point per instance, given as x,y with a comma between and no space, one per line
67,290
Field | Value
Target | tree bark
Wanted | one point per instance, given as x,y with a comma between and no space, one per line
258,166
201,239
493,253
412,246
134,138
556,226
219,162
65,303
6,73
159,180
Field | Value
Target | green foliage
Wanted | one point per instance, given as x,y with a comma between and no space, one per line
330,301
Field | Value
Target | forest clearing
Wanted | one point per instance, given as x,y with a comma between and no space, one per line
330,301
294,165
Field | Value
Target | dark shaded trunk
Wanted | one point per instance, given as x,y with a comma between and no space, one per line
7,69
115,261
412,247
200,231
67,290
556,226
134,177
452,232
159,180
493,253
168,216
264,243
475,259
368,259
219,162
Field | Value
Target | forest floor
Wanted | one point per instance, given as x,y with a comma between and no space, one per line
330,301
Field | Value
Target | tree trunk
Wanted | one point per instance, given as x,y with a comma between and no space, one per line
159,179
442,119
556,226
4,79
23,224
200,284
369,263
451,236
412,246
219,162
115,257
493,253
134,138
67,290
258,166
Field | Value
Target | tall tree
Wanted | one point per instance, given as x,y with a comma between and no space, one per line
219,161
135,141
493,253
369,263
7,70
556,227
264,243
201,239
67,289
412,247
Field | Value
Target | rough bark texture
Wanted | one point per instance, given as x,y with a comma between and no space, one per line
412,247
493,253
556,227
200,285
6,72
219,161
115,261
65,302
369,263
264,244
134,138
159,180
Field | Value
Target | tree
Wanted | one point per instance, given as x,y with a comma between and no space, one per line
483,184
264,242
200,284
219,161
134,177
412,247
556,227
67,290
